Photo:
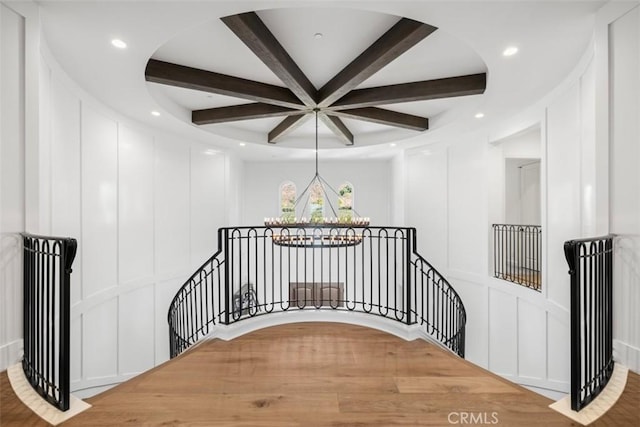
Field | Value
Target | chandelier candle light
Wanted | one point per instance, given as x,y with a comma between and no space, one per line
339,229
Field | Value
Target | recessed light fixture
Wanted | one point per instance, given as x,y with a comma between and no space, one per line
393,144
318,35
119,43
155,113
510,51
479,115
242,144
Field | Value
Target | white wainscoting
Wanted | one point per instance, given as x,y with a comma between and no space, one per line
12,183
450,195
145,208
624,68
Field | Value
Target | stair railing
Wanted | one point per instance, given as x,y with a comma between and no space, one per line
591,271
262,270
46,324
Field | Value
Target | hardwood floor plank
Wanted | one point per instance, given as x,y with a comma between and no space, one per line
314,374
282,384
461,384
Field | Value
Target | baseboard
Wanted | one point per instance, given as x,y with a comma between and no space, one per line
550,388
246,326
627,354
551,394
88,388
10,354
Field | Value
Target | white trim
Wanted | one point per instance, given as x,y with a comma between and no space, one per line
406,332
627,354
11,353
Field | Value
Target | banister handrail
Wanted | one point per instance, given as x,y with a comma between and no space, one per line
259,270
47,269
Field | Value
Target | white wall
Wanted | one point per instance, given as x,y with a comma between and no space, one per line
371,181
454,191
398,202
590,156
526,146
145,208
624,182
12,185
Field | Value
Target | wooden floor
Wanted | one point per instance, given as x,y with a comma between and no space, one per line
319,374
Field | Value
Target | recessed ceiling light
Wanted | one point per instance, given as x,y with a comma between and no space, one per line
119,43
318,35
155,113
479,115
242,144
393,144
510,51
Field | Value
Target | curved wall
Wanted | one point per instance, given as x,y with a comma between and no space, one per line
588,188
516,332
145,208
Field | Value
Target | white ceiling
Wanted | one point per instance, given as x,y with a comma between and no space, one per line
551,37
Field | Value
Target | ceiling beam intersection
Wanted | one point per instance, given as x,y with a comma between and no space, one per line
256,36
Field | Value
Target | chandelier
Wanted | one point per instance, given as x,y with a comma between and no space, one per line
336,230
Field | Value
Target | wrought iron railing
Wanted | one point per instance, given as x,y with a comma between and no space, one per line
517,254
591,271
47,269
262,270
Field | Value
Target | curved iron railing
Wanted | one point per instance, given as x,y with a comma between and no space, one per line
255,272
591,271
46,322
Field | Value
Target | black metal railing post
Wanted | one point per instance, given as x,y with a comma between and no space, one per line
590,264
227,266
47,270
574,279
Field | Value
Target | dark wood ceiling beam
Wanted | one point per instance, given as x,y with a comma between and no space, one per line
450,87
251,30
398,39
286,126
338,128
240,112
207,81
385,117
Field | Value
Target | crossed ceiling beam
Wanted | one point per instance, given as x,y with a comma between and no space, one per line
337,99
